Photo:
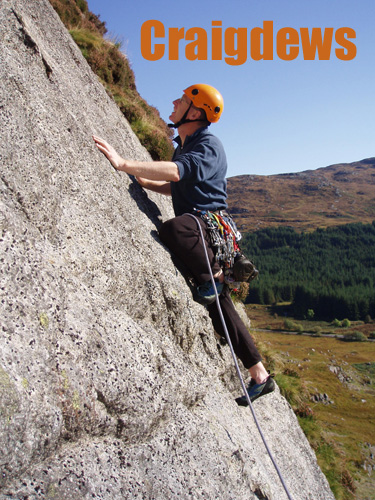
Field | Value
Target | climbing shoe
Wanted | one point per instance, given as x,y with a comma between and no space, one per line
244,270
255,391
205,293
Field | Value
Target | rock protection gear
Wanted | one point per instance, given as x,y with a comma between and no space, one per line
204,97
224,237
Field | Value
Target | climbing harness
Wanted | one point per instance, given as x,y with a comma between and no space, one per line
236,364
224,238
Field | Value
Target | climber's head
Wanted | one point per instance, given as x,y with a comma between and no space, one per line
199,103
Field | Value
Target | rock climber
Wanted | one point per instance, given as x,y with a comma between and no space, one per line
195,178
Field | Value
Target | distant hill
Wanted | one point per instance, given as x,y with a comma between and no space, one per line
329,196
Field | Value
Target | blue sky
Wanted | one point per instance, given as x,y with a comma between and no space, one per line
280,116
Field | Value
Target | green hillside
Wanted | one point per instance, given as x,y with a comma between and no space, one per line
329,271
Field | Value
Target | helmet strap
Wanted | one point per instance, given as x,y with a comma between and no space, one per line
181,122
183,119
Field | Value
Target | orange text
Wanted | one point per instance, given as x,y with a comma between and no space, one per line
237,45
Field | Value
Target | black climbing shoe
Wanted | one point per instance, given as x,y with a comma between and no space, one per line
244,270
255,391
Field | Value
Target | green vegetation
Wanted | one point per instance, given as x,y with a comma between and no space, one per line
368,370
339,427
112,68
326,274
355,337
293,326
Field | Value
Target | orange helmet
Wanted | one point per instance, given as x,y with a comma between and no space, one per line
207,98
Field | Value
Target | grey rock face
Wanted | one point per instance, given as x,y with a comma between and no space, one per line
112,383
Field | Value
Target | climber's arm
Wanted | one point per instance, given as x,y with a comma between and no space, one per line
151,170
160,187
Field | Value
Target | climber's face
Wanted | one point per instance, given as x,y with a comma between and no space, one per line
180,106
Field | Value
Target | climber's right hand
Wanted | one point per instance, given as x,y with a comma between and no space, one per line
110,153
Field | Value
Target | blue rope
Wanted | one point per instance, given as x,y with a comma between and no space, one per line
236,364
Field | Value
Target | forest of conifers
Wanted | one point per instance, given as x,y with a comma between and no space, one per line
329,271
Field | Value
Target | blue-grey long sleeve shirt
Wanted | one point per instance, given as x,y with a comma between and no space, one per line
202,166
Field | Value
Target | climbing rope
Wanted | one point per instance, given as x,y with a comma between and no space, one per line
236,364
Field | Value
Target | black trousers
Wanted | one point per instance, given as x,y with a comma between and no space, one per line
181,235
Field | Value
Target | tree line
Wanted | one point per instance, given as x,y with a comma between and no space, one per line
330,271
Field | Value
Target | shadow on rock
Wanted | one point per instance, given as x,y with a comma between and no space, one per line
147,206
